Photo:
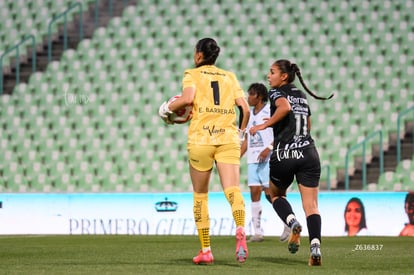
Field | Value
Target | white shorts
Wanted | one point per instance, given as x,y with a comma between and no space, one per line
258,174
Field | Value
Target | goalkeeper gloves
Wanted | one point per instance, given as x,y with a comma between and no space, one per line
242,135
164,112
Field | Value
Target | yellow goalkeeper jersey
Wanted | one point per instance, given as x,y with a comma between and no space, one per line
214,119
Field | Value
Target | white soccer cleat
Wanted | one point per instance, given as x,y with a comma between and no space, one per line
285,234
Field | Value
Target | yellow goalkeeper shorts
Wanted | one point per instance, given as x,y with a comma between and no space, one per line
202,157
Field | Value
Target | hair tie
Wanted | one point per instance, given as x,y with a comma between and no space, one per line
294,67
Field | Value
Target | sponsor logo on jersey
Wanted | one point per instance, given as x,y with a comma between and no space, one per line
288,153
213,130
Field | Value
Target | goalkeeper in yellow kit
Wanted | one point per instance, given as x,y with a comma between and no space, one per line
213,137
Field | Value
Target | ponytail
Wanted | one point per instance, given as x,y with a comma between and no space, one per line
295,70
292,70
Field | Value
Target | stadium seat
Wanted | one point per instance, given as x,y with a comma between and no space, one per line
120,67
386,181
405,173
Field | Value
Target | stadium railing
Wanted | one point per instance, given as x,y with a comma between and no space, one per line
399,122
64,14
328,176
138,45
363,144
16,48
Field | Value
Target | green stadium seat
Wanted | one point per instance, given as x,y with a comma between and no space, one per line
116,68
386,181
405,172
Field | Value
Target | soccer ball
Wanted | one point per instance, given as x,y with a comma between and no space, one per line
183,115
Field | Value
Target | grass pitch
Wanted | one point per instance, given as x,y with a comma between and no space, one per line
173,254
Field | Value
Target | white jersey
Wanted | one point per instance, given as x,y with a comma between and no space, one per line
262,139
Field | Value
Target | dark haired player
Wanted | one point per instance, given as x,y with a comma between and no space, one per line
294,154
408,229
213,139
258,149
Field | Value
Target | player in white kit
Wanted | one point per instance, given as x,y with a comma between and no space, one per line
258,149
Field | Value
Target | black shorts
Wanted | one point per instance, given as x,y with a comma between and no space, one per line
303,163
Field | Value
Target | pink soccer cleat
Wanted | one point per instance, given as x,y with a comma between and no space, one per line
204,258
241,246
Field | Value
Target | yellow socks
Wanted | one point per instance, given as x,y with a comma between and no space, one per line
235,198
202,219
201,215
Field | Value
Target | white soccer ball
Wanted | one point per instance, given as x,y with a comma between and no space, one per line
183,115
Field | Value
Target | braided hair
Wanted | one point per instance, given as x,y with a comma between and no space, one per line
210,50
259,89
293,70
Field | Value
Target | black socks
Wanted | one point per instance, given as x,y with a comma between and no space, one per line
283,209
314,223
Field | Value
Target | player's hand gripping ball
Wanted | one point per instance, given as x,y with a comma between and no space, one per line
181,116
